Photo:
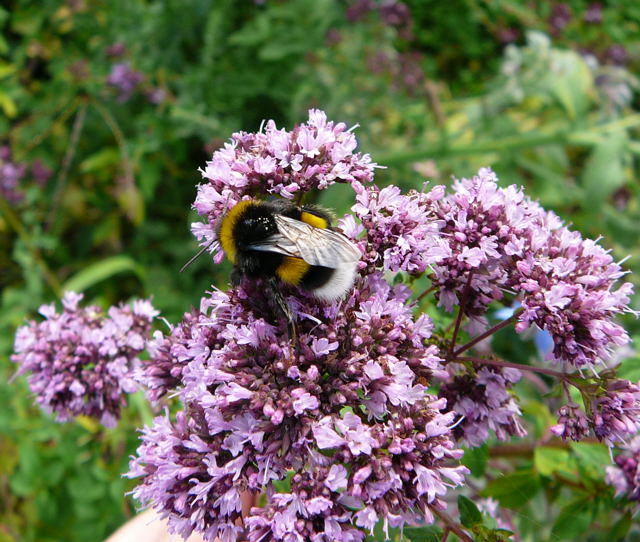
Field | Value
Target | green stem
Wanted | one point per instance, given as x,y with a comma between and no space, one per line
195,118
520,366
451,525
463,304
14,222
525,449
426,293
74,139
487,333
118,134
67,110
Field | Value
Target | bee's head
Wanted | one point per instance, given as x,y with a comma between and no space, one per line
249,221
257,228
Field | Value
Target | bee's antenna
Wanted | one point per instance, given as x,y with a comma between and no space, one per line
199,253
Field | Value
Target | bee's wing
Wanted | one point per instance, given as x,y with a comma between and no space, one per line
316,246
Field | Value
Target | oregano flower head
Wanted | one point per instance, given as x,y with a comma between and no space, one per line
81,361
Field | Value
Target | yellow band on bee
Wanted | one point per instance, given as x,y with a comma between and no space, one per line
229,222
314,220
292,270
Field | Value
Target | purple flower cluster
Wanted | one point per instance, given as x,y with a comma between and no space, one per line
560,17
80,360
125,80
500,241
13,173
487,228
392,13
593,14
162,372
572,423
568,290
338,430
10,176
625,475
313,155
310,511
41,173
484,401
345,413
401,230
613,413
403,69
116,50
617,54
616,412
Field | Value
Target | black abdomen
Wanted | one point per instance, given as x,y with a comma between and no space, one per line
316,277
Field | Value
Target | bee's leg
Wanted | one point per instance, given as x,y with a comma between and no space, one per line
236,276
282,304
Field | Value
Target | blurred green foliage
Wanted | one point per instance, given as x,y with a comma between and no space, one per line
542,94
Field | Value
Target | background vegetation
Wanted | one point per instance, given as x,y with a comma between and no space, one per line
107,109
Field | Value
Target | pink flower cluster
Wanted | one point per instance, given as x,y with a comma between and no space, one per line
125,80
402,231
616,412
480,242
345,415
483,401
624,476
12,175
507,243
81,361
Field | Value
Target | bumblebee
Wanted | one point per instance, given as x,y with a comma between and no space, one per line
282,242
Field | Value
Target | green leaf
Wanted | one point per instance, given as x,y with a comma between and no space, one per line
46,505
21,485
574,519
142,406
27,21
207,121
485,534
515,489
475,459
8,457
604,170
428,533
548,460
6,69
620,528
630,369
284,485
572,82
102,270
99,160
8,105
592,456
85,489
131,202
538,413
30,460
469,513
